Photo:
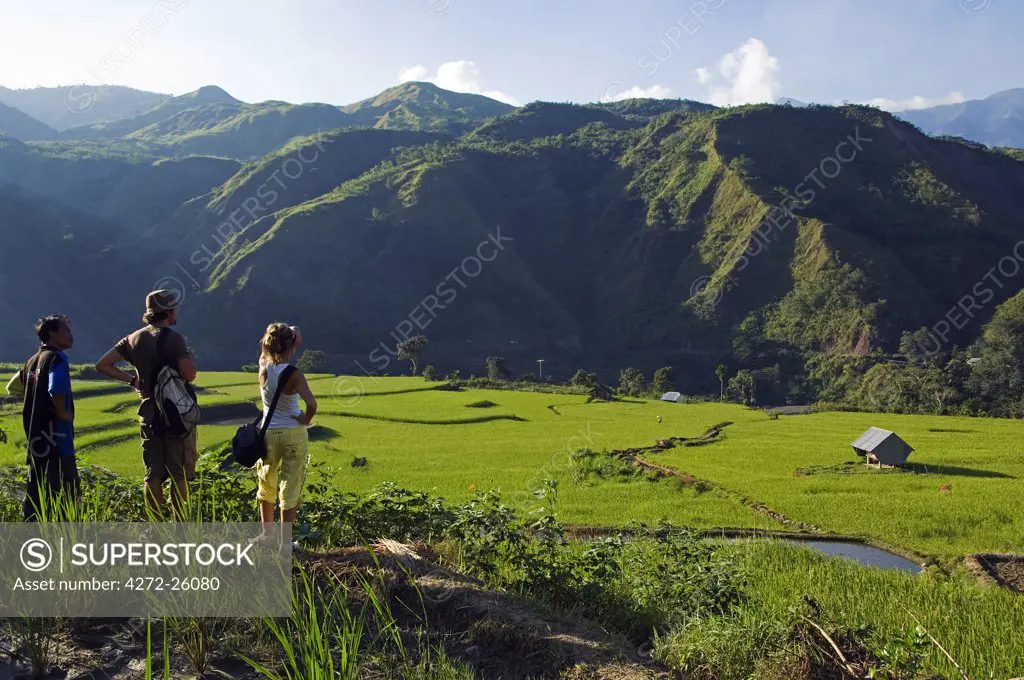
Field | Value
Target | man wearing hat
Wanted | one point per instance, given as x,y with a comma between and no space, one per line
166,456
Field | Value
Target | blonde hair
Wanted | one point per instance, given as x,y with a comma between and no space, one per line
277,343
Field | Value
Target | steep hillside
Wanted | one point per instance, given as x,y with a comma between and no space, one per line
23,126
303,170
54,259
919,220
80,104
220,101
997,120
132,192
248,132
635,244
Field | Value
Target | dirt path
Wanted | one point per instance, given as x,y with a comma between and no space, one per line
713,434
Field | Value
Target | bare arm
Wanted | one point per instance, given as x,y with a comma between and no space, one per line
16,387
60,406
301,387
107,365
187,369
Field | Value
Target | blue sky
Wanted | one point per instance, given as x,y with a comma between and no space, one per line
340,51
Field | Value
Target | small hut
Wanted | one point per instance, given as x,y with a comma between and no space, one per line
671,396
882,447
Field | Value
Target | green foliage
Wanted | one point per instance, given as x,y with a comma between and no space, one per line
583,378
411,350
661,382
742,387
632,382
496,368
901,657
312,361
590,467
431,374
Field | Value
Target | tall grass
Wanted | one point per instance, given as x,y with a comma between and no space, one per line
321,640
979,626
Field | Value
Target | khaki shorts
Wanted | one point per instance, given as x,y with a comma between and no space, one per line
282,472
169,457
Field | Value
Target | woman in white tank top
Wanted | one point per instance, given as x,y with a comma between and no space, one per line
282,472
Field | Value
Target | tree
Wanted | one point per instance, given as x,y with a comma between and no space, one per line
312,361
662,380
583,379
631,382
430,373
411,350
496,369
742,386
721,371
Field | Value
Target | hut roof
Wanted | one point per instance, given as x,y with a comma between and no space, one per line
873,437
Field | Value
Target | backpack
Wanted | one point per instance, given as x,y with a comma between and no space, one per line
177,409
249,444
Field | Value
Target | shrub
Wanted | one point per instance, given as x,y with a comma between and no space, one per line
583,379
496,369
312,361
431,374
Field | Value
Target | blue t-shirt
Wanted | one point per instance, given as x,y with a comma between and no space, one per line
60,383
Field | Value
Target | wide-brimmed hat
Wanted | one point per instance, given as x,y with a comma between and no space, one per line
162,301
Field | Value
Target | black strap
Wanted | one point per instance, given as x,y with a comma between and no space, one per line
162,335
282,380
51,358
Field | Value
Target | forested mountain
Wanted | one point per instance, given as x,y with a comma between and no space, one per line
209,121
997,120
794,241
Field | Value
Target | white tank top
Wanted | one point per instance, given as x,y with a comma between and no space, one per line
287,406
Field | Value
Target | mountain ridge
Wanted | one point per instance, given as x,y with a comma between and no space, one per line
642,233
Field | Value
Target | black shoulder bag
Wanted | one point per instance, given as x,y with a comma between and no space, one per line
249,445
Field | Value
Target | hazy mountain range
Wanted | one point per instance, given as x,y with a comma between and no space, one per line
210,120
641,232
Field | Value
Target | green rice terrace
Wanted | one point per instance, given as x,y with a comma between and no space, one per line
690,492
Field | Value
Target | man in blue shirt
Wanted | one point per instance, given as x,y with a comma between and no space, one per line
48,416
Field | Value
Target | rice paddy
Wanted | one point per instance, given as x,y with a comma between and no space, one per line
961,493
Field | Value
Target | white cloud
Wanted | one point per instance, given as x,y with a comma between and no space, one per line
412,73
751,75
614,94
916,102
457,76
